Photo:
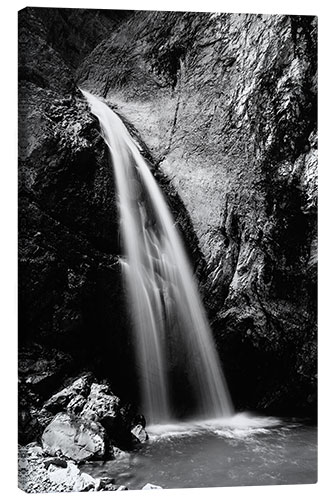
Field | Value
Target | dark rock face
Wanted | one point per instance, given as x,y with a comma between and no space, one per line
72,33
227,104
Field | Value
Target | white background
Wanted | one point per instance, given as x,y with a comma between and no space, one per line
8,232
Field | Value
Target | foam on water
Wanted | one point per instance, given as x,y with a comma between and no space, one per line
239,425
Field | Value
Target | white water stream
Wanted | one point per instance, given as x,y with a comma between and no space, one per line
172,334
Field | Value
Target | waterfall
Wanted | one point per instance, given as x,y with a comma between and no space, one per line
172,336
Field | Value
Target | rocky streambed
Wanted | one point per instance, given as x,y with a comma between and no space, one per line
39,473
84,421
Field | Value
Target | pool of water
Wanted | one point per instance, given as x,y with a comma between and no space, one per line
241,451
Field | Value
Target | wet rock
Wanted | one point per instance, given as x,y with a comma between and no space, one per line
139,433
74,438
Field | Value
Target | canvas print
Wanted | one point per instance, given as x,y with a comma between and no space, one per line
167,249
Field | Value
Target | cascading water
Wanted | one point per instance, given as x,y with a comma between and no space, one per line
173,338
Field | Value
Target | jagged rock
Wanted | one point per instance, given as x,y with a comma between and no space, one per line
84,482
76,404
44,417
102,405
72,397
139,433
74,438
67,476
123,426
104,483
150,486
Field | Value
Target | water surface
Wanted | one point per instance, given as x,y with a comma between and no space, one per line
241,451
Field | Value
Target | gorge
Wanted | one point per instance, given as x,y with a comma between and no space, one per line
220,113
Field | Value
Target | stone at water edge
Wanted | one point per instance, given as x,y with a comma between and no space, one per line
104,483
67,476
71,478
123,426
84,482
139,433
150,486
74,438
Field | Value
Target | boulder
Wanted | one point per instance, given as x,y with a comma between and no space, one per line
73,397
124,428
104,483
75,438
139,433
66,476
102,405
84,482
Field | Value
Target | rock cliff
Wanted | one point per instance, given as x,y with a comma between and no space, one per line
227,105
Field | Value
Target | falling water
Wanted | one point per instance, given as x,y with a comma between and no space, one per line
172,331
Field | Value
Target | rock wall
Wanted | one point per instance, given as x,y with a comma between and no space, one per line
227,105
